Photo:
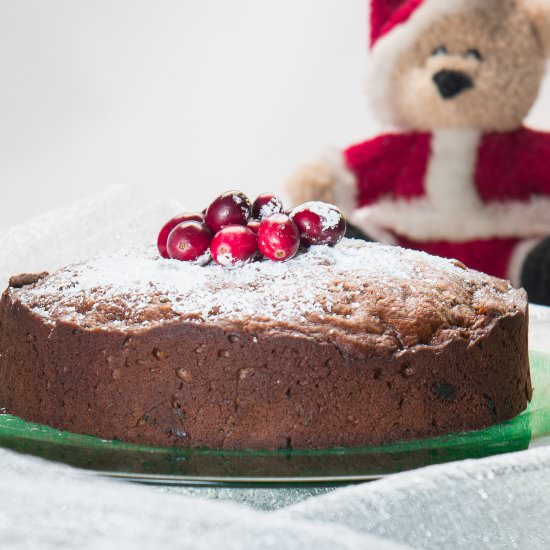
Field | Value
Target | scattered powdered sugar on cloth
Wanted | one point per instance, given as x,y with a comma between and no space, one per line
353,287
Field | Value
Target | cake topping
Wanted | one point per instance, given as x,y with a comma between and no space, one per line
190,241
278,238
170,225
357,294
230,208
234,246
319,223
266,205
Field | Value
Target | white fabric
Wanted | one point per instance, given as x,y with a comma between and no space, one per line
494,503
417,219
48,506
118,217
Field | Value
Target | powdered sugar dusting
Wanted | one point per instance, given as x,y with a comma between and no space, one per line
355,288
238,200
271,207
204,259
329,214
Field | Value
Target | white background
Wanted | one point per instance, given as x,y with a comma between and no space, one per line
186,97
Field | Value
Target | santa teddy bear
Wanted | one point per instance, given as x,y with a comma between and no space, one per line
458,175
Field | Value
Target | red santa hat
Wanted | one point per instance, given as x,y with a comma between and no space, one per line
395,27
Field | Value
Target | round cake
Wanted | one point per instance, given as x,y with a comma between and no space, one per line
339,347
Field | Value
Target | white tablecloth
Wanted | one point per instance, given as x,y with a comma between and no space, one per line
499,502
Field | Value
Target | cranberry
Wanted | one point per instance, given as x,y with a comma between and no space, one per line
189,242
168,226
234,245
254,226
266,205
278,238
231,208
319,223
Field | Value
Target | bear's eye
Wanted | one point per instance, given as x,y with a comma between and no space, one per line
440,50
472,53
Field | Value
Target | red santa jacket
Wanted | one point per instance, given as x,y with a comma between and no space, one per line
456,193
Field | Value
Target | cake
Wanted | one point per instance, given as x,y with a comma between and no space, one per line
344,346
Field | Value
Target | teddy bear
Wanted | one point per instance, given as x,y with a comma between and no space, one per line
457,174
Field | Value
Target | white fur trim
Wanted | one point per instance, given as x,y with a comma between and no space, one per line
387,49
518,258
345,183
372,229
418,220
450,176
452,210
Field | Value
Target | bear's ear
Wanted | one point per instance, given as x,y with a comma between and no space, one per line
539,13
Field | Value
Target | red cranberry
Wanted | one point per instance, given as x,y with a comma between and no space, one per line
231,208
278,238
266,205
254,226
234,246
319,223
168,226
189,242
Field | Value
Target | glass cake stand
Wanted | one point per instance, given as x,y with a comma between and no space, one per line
286,467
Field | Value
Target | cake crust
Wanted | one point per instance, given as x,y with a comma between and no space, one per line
359,354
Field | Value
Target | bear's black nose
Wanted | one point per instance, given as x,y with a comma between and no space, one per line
452,83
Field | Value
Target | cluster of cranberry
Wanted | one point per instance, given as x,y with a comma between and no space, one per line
232,230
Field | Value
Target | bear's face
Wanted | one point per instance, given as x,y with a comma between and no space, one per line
480,69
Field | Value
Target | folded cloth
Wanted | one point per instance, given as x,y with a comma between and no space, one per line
539,328
498,502
115,218
49,506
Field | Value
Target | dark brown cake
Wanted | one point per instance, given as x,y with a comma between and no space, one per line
347,346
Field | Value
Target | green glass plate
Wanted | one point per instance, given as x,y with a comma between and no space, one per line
173,465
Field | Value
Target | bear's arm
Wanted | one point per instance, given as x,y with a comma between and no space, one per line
378,163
